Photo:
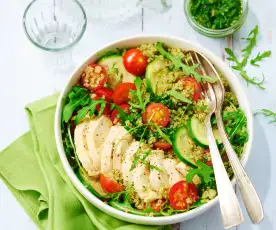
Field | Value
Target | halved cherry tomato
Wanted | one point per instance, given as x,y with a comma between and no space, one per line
206,155
135,62
121,92
182,194
157,113
114,115
157,204
162,145
110,185
106,109
94,77
104,93
191,84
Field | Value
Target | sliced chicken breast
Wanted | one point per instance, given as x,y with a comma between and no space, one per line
170,167
158,180
141,184
82,149
126,165
97,132
182,168
118,154
114,137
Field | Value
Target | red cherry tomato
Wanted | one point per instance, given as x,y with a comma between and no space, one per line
135,62
104,93
121,92
209,163
157,204
182,194
114,115
192,84
162,145
106,109
94,77
157,113
110,185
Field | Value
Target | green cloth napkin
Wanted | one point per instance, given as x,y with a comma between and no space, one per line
30,167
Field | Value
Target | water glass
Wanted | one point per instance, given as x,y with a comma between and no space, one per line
54,25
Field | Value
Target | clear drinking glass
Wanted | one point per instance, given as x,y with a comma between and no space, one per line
54,25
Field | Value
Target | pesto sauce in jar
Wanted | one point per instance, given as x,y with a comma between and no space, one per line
216,14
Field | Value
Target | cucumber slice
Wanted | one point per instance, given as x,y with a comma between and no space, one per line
153,79
182,146
198,134
116,61
91,184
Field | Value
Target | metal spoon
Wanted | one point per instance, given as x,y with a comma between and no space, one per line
249,195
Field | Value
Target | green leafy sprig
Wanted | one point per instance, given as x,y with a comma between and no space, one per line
267,113
260,57
178,64
138,94
204,171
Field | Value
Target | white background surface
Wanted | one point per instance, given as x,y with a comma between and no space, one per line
27,74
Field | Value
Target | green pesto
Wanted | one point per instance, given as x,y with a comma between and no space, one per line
216,14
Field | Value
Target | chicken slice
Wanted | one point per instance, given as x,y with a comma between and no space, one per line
97,132
170,167
158,180
126,165
182,168
118,154
116,135
82,149
141,184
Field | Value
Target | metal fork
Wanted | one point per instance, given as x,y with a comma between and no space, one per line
249,195
229,204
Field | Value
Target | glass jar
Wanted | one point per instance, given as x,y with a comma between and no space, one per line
212,32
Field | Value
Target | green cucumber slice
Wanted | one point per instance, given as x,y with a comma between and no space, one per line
198,134
91,184
116,61
182,146
153,79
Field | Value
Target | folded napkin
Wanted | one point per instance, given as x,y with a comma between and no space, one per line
30,167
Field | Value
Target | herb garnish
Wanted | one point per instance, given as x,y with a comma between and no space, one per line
138,94
204,171
267,113
91,107
78,96
260,57
178,64
239,65
178,96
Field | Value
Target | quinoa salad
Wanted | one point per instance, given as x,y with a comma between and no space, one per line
133,131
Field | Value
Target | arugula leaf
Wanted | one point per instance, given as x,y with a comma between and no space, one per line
138,94
91,107
161,133
178,64
78,96
178,96
267,113
118,51
112,70
240,67
204,171
260,57
252,41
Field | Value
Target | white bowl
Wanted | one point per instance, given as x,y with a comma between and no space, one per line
134,42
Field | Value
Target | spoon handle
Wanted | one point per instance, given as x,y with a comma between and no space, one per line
229,204
249,195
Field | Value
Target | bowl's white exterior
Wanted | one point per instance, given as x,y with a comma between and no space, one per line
133,42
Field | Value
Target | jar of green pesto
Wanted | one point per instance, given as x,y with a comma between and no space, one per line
216,18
